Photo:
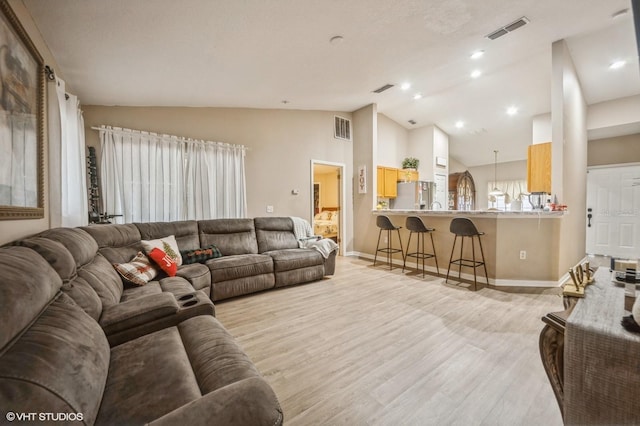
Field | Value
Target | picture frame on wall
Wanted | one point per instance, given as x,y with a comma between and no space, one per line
22,103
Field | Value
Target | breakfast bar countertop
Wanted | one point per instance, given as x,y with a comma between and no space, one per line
474,213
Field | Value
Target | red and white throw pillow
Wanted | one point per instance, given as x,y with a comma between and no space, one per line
167,245
139,271
164,261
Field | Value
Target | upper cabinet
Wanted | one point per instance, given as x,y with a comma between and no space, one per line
387,182
539,168
407,175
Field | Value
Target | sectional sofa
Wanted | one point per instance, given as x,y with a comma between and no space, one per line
77,341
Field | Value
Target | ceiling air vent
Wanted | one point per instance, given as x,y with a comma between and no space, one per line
342,128
383,88
508,28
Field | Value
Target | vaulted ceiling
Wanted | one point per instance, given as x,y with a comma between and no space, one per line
280,54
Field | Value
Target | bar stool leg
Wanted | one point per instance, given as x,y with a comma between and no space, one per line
404,263
421,252
455,238
473,256
460,263
483,261
377,247
433,246
402,251
389,249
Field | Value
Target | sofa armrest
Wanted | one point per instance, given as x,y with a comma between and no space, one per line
247,402
138,311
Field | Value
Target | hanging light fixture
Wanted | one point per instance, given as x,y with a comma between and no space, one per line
495,191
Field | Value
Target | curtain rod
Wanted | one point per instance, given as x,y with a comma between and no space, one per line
121,130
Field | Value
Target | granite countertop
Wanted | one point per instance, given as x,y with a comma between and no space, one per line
476,213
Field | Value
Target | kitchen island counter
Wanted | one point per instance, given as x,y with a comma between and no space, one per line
520,248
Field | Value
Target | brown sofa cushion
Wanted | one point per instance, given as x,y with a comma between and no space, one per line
59,364
240,266
23,295
231,236
185,232
286,260
275,233
117,243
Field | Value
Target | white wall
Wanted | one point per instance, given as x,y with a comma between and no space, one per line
618,112
541,129
421,142
569,145
393,140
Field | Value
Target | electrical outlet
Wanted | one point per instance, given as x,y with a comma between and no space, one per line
523,254
269,209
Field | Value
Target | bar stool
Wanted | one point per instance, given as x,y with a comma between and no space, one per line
463,227
415,225
384,223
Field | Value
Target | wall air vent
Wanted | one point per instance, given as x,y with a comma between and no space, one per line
412,121
508,28
342,128
383,88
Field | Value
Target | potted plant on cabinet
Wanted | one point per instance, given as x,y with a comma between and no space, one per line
410,163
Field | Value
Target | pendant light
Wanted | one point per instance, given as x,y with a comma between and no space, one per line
495,191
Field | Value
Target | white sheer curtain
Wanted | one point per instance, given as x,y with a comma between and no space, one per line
68,204
148,177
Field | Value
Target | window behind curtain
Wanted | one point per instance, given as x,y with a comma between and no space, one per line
512,189
147,177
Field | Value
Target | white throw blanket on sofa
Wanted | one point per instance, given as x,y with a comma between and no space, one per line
304,234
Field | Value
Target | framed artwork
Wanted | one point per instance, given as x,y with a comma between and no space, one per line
22,92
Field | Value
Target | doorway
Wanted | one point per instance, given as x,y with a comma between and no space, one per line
613,211
328,200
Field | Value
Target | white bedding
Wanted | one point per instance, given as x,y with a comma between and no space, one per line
326,224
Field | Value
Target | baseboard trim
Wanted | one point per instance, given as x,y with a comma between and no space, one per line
469,277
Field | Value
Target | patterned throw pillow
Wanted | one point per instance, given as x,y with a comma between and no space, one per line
167,245
138,271
200,255
164,261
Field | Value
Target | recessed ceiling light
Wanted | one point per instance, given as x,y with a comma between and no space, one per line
512,110
460,124
477,54
417,96
476,73
405,86
617,64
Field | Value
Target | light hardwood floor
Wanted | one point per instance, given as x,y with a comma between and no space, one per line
373,346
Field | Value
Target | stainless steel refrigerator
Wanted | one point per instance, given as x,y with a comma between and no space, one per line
414,196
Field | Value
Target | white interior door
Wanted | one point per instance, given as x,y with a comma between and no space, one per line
613,201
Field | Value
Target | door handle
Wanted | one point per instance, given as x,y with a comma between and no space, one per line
589,216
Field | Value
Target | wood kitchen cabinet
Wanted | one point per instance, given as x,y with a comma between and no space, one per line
407,175
387,182
539,168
